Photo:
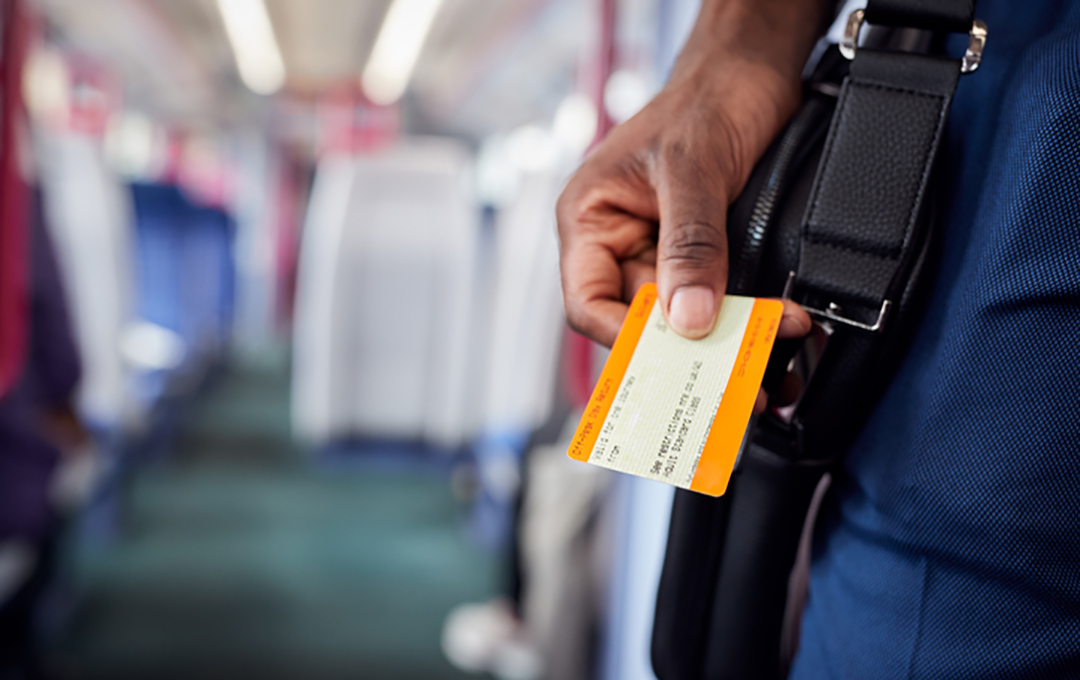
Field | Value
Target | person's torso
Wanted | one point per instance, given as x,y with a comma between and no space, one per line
951,545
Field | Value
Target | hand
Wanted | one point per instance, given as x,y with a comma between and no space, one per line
650,204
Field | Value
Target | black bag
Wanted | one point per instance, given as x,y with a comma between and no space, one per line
839,216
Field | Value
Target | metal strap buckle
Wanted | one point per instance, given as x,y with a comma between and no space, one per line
972,57
833,311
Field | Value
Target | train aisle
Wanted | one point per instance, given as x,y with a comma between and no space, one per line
240,560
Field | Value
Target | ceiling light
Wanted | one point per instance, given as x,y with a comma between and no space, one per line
397,49
256,50
47,85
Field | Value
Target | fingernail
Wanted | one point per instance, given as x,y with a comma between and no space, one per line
692,311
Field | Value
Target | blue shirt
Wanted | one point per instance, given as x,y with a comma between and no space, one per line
950,545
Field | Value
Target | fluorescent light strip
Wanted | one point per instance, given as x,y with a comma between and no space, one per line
397,49
251,35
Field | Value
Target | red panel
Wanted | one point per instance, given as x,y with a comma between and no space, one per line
14,301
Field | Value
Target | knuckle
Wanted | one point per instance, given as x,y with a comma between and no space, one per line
576,318
722,156
564,206
675,151
694,245
572,208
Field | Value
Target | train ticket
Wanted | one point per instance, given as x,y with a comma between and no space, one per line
676,410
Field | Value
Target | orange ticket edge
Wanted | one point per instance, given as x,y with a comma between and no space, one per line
611,377
729,426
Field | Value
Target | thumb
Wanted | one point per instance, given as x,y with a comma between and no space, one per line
692,253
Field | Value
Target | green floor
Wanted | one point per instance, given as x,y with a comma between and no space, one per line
241,561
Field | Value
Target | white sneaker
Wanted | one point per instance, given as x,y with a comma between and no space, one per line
17,562
489,638
76,478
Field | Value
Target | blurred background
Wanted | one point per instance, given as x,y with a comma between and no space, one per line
286,382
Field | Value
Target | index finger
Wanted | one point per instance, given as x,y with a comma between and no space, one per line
593,276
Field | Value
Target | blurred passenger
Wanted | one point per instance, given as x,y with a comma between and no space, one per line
38,426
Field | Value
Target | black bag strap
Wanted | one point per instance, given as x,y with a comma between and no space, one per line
861,224
865,230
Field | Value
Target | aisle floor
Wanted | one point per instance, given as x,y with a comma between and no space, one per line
239,559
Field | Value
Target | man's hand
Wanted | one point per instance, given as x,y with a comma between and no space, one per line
650,204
